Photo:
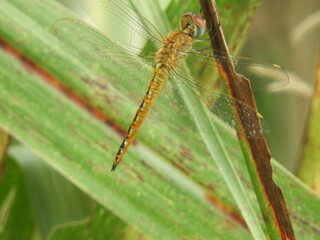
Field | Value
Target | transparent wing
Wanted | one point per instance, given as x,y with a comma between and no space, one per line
128,75
262,76
122,19
119,69
128,29
171,107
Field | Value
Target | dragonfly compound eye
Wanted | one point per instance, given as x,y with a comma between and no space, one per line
200,25
194,23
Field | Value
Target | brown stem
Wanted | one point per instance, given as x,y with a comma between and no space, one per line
270,197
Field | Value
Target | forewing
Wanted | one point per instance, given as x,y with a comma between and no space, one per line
113,67
262,76
120,22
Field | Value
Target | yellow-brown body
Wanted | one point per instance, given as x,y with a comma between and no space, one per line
175,47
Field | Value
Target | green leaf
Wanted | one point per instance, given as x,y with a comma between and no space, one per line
53,199
14,205
102,224
166,188
310,165
61,209
142,195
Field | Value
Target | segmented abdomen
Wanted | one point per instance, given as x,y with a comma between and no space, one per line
159,78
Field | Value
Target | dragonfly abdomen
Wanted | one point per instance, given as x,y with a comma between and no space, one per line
159,77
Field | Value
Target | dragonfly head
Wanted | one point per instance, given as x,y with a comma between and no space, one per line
193,24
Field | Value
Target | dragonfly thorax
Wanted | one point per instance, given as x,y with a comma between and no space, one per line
175,47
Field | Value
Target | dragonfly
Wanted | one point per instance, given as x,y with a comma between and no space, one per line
110,48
